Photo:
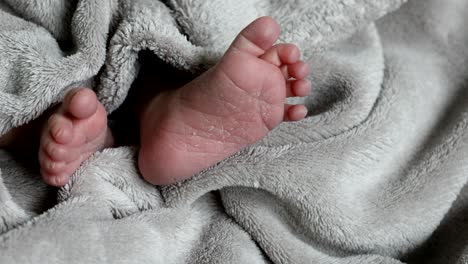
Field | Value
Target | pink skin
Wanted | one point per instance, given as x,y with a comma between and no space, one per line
232,105
72,134
183,131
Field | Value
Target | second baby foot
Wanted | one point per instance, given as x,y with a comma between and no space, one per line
232,105
76,130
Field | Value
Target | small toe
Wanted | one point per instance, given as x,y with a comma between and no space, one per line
48,178
57,173
57,180
298,88
294,112
51,167
298,70
282,54
60,128
61,180
59,152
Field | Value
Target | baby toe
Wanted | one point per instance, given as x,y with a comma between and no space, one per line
282,54
49,166
298,70
299,88
294,112
57,180
60,128
55,151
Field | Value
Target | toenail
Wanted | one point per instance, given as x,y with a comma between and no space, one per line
294,53
306,86
73,93
302,112
80,92
58,132
58,180
306,68
49,166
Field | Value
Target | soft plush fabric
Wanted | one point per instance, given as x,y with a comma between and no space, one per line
374,174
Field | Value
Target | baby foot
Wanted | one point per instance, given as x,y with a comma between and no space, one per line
231,106
75,131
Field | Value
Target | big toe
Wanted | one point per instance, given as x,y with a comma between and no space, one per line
258,36
81,103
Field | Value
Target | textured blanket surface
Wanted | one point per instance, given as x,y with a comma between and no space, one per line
374,174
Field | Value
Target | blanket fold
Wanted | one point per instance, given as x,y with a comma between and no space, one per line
375,174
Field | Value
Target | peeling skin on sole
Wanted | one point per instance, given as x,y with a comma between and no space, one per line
253,79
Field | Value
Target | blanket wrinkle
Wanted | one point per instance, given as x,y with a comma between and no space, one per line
375,174
56,18
35,64
126,192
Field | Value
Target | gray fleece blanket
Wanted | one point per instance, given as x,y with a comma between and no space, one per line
375,174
